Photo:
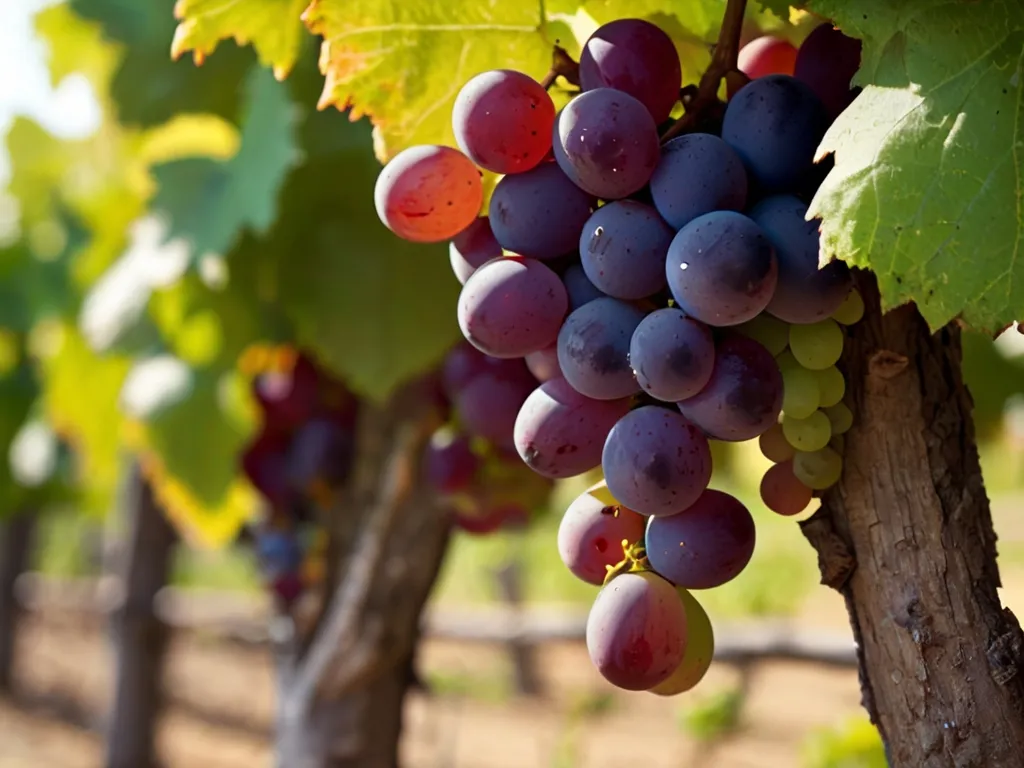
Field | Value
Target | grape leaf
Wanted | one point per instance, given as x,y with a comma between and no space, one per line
274,28
404,62
927,188
209,202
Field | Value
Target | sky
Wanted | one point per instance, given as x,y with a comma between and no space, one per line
69,110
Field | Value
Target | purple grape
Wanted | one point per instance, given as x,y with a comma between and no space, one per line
539,213
502,120
698,173
743,398
488,405
449,463
288,398
543,363
265,464
560,433
590,536
704,546
826,62
462,364
623,249
637,57
636,631
593,349
607,143
512,306
579,287
775,124
472,248
321,451
655,461
803,293
672,355
721,269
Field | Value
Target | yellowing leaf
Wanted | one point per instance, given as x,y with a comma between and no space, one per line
274,28
404,62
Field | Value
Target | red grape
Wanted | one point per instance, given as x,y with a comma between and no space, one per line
590,536
767,56
782,492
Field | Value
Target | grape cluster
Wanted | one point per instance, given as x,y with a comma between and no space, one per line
665,296
298,461
471,461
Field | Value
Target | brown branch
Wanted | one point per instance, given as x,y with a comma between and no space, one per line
561,64
723,61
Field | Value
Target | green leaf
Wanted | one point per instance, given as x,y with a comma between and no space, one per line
404,62
210,202
149,87
927,188
375,309
274,28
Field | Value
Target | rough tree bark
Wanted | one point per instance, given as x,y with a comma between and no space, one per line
16,540
907,538
342,689
141,639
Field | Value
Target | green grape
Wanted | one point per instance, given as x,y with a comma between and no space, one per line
840,417
837,443
800,397
818,470
774,445
768,331
808,434
851,310
700,647
817,345
831,386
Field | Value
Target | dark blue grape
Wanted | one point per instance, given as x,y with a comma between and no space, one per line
579,287
672,355
698,173
623,249
593,349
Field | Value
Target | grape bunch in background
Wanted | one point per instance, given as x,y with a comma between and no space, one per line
665,294
298,461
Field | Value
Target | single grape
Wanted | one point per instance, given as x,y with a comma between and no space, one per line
826,62
800,389
265,464
543,363
851,310
782,492
607,143
721,268
774,445
579,287
775,124
590,536
840,417
804,293
539,213
593,349
818,470
831,386
288,398
765,56
705,545
560,433
656,462
472,248
817,345
464,362
449,463
623,249
321,452
700,649
512,306
428,193
502,120
808,434
743,398
636,631
637,57
672,355
488,405
698,173
768,331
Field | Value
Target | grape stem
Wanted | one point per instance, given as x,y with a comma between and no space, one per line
561,64
723,61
